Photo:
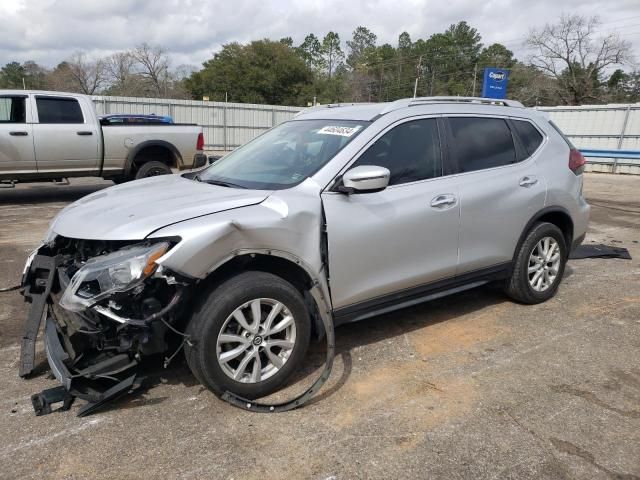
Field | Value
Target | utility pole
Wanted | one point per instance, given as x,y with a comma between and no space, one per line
24,86
415,86
475,71
433,79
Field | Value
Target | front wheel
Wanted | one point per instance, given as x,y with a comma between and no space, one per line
249,335
539,265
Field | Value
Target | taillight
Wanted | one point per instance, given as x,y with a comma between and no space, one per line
200,144
576,161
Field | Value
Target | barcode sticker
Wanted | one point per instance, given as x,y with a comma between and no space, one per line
336,130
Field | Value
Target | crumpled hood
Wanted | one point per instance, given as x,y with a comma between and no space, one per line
133,210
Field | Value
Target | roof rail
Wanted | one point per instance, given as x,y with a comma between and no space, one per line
480,100
409,102
329,105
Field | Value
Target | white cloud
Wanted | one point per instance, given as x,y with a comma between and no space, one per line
48,31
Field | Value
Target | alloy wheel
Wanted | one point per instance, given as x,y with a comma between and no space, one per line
544,264
256,340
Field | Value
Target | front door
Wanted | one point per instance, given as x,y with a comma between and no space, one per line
16,137
387,243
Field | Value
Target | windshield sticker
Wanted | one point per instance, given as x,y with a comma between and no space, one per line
341,131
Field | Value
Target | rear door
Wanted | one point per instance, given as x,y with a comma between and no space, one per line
500,188
65,137
386,245
16,136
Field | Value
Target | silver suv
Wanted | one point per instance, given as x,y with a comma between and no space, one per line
343,213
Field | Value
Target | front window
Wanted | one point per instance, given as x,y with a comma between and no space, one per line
284,156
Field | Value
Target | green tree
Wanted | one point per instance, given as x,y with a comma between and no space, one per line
363,41
11,75
311,52
332,52
262,71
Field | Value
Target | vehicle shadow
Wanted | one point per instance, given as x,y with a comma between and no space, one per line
378,329
33,194
349,337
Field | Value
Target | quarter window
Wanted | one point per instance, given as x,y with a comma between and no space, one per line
529,135
12,110
479,143
59,110
411,152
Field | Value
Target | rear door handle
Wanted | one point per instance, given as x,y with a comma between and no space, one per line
444,200
528,181
84,133
19,134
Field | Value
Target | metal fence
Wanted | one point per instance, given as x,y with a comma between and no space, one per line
602,127
229,125
226,125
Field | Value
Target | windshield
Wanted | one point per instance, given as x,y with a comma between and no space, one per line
284,156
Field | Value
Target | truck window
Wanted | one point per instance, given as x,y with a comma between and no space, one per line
59,110
12,110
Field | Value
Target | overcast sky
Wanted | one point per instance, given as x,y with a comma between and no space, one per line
48,31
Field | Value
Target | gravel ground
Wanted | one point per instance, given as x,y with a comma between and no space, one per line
469,386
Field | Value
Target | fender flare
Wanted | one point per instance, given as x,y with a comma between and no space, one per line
537,216
131,156
319,289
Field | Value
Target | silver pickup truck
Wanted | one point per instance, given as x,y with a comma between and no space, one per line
53,135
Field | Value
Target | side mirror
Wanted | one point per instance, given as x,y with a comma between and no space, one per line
365,178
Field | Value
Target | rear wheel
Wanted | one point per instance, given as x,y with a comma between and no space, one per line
539,265
249,335
152,169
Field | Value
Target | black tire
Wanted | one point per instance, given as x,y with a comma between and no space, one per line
152,169
518,286
210,316
119,180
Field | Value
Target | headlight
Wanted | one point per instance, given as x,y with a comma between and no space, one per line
105,275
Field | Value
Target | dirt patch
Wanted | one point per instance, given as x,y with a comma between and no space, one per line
460,334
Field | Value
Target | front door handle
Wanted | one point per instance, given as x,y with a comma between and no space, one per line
19,134
443,201
528,181
84,133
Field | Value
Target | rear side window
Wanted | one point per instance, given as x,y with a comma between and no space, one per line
529,135
478,143
12,110
59,110
411,152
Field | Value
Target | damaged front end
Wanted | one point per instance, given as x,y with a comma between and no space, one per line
107,305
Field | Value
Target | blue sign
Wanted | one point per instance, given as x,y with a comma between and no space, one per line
495,83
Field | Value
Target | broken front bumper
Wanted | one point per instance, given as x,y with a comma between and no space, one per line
86,365
56,357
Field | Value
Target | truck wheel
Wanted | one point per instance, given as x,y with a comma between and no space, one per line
248,335
539,265
151,169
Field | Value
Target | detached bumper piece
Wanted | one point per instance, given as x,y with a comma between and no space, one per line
84,385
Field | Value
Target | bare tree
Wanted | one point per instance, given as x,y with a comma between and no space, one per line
87,75
123,79
570,52
154,66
